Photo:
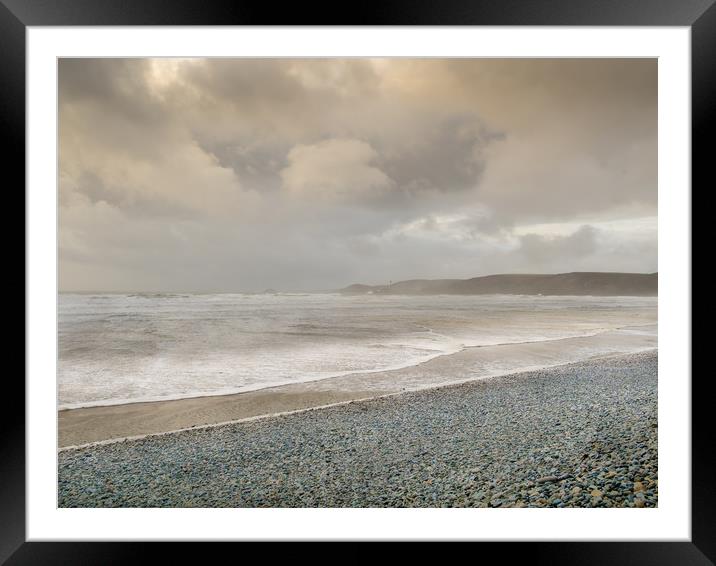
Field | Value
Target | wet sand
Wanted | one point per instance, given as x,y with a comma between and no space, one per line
95,424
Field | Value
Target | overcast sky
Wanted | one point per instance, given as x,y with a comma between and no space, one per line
245,174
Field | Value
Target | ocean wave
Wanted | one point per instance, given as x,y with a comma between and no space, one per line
124,349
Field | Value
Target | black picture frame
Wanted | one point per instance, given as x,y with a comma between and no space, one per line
16,15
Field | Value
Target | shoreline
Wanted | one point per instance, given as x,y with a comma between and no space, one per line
106,424
582,434
88,425
200,395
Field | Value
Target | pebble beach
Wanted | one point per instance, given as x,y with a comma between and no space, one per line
577,435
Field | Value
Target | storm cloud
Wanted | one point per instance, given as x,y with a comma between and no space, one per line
244,174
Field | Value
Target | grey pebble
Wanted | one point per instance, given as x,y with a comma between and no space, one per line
590,425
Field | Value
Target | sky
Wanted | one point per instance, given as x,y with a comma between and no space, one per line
221,175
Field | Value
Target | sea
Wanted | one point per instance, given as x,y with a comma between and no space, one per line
125,348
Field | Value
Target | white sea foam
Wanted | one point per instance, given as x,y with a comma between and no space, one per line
140,347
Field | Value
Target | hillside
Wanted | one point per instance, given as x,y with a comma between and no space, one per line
578,283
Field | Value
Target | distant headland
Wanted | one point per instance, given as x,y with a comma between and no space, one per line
576,283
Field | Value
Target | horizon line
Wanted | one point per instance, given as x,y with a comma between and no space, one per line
270,288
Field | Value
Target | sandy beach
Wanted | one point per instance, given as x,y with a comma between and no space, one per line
96,424
576,435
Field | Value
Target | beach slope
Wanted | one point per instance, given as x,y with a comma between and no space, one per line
578,435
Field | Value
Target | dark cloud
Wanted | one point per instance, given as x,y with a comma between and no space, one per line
449,157
118,85
257,165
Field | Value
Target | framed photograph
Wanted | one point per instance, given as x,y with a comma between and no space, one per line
404,280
